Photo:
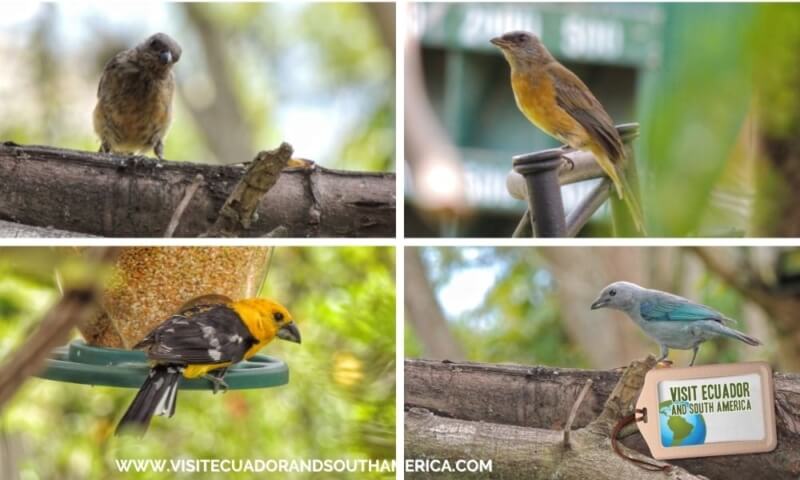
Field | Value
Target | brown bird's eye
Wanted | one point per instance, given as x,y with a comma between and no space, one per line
278,316
156,44
521,38
612,293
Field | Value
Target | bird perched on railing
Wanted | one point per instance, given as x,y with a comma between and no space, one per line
134,98
670,320
557,102
201,341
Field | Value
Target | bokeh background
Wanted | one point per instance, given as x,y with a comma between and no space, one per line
714,88
531,305
339,403
319,76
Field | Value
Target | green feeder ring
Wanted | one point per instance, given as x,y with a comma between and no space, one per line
114,367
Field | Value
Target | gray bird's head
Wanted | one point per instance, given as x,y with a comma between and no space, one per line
522,49
159,50
618,295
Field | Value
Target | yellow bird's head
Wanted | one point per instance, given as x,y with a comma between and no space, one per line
267,319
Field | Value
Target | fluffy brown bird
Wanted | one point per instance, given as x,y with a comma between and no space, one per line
560,104
134,98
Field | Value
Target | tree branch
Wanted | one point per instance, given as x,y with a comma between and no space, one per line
752,289
127,196
781,308
187,197
78,304
518,452
18,230
574,411
515,414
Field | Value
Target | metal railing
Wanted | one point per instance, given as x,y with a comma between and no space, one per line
537,178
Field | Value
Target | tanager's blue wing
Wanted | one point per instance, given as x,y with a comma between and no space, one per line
678,309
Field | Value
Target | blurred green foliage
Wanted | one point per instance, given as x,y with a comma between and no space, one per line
518,319
715,76
692,111
339,403
712,291
776,41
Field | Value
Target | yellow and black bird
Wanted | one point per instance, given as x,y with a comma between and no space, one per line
203,340
134,98
557,102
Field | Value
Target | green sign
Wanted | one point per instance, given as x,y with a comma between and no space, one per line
619,34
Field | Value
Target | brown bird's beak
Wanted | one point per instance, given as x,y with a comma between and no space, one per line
499,42
165,57
289,332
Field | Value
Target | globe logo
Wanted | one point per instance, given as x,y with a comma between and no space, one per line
680,430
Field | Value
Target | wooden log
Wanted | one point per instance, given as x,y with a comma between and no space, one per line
131,196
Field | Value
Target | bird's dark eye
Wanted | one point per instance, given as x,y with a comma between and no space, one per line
156,44
521,37
612,292
278,316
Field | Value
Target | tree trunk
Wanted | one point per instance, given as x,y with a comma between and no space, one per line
423,312
222,121
581,273
384,16
124,196
434,161
513,414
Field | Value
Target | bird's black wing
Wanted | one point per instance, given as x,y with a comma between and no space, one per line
202,334
575,98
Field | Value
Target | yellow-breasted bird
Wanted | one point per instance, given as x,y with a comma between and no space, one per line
203,340
134,98
557,102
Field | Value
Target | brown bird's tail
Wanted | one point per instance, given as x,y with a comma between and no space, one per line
633,204
614,171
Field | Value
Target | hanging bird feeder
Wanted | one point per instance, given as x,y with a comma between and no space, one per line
149,285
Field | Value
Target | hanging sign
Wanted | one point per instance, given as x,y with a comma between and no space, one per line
708,410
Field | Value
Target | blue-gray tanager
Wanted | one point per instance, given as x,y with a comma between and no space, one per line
672,321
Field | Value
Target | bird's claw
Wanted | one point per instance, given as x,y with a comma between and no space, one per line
569,162
664,363
217,384
220,386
